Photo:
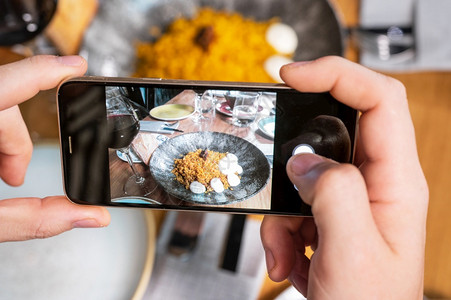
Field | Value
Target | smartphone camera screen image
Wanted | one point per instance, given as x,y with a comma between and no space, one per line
205,146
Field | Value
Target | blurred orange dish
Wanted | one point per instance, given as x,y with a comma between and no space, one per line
214,45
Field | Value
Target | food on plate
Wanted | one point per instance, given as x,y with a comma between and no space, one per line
233,179
200,171
229,165
217,185
197,188
214,45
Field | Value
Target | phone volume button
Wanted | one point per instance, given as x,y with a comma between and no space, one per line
70,144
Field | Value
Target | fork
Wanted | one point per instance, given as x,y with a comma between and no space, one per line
171,124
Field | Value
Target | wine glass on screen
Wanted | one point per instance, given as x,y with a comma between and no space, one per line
22,20
123,126
204,104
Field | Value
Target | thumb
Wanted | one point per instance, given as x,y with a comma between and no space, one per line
23,79
337,194
30,218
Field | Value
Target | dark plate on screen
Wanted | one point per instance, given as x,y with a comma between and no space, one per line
253,179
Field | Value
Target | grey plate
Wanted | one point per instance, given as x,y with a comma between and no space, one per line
79,264
109,42
255,165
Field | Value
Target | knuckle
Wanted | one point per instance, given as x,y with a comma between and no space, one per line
338,178
422,190
335,184
398,86
395,87
39,59
42,227
42,233
330,59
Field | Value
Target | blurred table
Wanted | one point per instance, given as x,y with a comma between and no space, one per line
430,104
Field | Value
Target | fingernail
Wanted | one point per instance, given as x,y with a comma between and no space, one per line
86,223
301,164
70,60
270,262
298,63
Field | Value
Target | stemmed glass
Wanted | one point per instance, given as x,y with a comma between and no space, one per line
123,126
204,104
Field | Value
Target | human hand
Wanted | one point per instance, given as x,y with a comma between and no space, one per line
28,218
368,225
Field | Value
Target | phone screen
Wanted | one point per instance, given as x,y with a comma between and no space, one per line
195,146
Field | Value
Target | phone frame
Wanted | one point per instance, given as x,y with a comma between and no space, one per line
66,147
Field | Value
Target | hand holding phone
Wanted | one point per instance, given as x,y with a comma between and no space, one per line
368,218
27,218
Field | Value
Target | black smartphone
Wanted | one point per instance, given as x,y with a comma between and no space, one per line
194,145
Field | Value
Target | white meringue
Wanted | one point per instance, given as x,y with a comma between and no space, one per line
197,187
232,158
233,179
239,169
229,164
217,185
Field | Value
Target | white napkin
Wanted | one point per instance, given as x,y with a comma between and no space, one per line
385,13
157,127
145,144
200,277
432,30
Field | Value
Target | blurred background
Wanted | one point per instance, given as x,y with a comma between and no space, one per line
407,39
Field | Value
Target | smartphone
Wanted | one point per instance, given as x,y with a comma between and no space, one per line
194,145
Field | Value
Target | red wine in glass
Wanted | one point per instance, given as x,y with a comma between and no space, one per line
122,129
22,20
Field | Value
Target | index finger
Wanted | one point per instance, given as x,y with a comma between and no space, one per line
391,167
23,79
382,100
386,132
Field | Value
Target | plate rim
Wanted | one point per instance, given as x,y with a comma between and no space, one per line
171,119
220,105
263,129
146,274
